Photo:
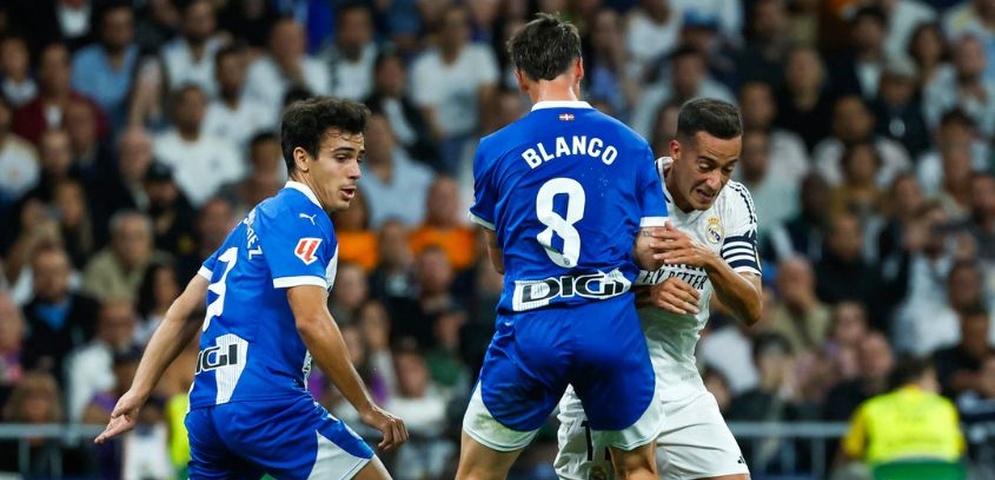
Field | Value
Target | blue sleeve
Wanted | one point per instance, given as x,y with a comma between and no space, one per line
207,268
484,194
297,250
653,205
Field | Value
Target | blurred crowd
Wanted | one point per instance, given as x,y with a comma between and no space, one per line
135,135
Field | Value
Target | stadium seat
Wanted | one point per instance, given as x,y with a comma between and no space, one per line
920,469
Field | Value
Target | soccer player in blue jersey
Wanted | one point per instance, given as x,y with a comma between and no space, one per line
266,291
563,194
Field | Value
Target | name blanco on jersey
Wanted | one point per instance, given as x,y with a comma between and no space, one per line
577,145
694,276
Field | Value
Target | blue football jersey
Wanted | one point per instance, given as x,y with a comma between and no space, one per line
566,189
249,345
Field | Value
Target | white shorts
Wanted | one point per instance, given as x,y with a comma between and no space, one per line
695,443
480,425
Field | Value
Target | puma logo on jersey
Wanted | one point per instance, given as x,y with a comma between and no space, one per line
309,217
306,249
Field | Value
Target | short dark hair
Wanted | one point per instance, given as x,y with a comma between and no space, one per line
717,118
908,370
869,12
305,122
545,47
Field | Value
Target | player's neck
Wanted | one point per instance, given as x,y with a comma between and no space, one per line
679,201
558,89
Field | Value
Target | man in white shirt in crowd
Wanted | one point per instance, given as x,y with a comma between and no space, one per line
231,115
190,57
201,162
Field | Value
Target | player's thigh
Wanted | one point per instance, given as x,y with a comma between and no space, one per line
481,462
210,458
577,457
523,377
614,378
696,442
373,470
295,439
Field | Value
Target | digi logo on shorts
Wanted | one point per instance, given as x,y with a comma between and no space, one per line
530,294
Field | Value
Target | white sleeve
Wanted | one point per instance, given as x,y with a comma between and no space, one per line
739,248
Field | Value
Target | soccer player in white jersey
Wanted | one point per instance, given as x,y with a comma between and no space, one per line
713,234
266,290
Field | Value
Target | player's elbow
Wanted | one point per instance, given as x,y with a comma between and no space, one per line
753,312
309,326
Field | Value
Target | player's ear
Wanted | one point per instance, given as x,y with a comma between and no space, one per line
301,159
675,149
579,68
523,86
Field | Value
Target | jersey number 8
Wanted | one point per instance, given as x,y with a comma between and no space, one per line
563,227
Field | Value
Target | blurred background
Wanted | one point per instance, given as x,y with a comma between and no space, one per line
135,135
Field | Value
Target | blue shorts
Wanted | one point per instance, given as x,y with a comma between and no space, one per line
599,348
292,439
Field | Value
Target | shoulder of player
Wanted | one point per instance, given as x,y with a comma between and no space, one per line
294,211
735,199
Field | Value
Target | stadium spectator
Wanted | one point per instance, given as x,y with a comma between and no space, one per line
88,367
390,98
190,57
932,328
91,156
117,270
104,70
875,361
963,87
357,241
606,78
888,238
418,398
853,123
55,92
858,192
123,187
201,161
930,51
17,85
75,222
802,234
772,193
451,83
395,185
214,221
904,17
351,291
858,70
788,153
897,106
19,164
805,104
393,277
155,294
848,327
171,213
958,367
36,400
231,115
350,59
652,28
266,177
798,315
434,277
980,224
58,319
445,365
284,66
443,226
767,43
843,274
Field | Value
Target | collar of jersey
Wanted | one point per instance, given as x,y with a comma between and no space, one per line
560,104
300,187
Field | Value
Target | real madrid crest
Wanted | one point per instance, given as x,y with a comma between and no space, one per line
714,231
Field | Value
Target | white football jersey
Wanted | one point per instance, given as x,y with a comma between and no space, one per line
729,228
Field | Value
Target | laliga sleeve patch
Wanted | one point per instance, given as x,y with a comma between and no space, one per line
306,248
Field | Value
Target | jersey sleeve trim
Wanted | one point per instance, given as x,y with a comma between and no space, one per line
652,222
482,222
297,281
205,272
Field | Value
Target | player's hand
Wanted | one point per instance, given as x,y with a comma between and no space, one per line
673,295
392,427
680,249
123,417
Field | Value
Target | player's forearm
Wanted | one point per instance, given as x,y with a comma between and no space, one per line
175,332
741,295
645,247
324,340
